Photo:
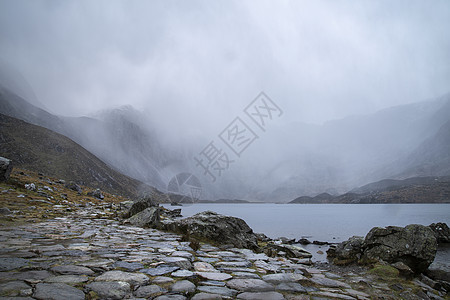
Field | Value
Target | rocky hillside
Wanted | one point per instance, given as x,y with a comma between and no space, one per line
42,150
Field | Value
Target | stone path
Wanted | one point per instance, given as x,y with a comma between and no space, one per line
82,256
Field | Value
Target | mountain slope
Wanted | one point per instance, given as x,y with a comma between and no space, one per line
42,150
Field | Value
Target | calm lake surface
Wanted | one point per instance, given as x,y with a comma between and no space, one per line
328,222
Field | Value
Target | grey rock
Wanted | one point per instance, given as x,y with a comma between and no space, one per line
131,278
149,291
178,262
347,252
149,217
220,290
250,285
218,228
32,275
6,167
214,275
183,286
162,279
72,270
57,291
261,296
4,211
74,187
329,282
415,245
206,296
246,275
140,205
332,295
110,290
97,194
291,251
11,263
160,270
441,232
171,297
67,279
182,273
283,277
292,287
130,266
13,288
233,264
203,267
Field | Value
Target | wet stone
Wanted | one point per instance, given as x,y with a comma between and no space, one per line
67,279
130,266
160,270
182,273
224,291
290,287
206,296
261,296
110,290
162,279
57,291
11,263
13,288
149,291
183,286
250,285
72,270
214,275
131,278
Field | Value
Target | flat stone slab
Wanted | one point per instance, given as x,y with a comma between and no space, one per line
333,295
11,263
329,282
13,288
170,297
250,285
214,275
283,277
233,264
292,287
246,275
160,270
183,286
261,296
220,290
131,278
149,291
110,290
57,291
182,273
130,266
204,267
67,279
162,279
206,296
72,270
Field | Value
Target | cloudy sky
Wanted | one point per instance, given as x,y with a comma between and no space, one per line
206,60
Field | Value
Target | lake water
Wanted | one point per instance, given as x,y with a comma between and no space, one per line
328,222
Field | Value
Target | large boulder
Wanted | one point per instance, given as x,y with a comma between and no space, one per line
5,168
441,232
218,228
347,252
414,245
149,217
141,204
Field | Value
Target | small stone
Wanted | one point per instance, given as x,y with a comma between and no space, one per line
57,291
261,296
214,275
250,285
183,286
149,291
110,290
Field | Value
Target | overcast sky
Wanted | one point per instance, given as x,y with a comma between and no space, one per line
207,60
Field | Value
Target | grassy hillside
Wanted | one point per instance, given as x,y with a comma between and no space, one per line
39,149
